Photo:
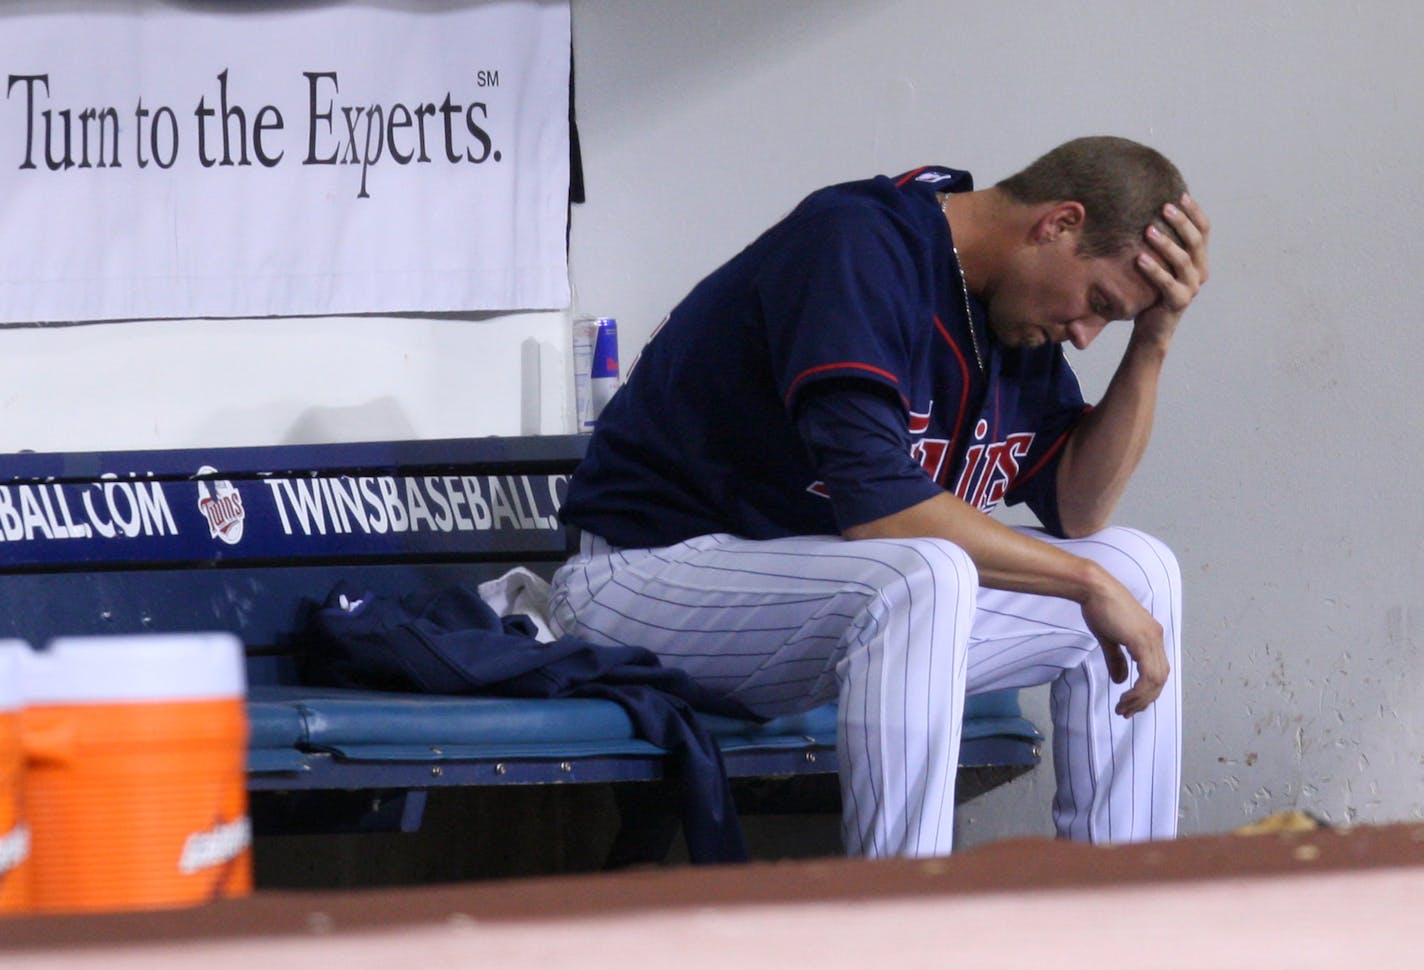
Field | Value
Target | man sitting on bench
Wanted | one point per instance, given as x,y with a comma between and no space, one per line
885,365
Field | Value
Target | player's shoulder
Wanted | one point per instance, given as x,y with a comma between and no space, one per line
934,178
908,201
886,208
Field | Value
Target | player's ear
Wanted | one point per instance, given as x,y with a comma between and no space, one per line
1058,219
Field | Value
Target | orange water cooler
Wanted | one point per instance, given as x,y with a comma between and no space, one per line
135,781
15,864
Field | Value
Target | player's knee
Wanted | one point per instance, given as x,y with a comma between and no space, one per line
1142,563
933,565
952,566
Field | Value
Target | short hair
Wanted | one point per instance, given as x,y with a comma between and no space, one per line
1121,184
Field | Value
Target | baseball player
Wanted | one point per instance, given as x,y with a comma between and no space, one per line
788,497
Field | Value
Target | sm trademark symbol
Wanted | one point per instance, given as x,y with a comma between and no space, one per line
487,79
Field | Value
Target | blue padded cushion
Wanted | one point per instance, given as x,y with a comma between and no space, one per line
377,725
995,703
389,726
997,714
275,734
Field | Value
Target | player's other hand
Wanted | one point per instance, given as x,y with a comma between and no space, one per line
1124,629
1178,271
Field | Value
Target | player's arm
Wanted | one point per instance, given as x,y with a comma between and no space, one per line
1007,559
855,433
1104,449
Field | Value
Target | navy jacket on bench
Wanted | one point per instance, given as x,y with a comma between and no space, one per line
450,641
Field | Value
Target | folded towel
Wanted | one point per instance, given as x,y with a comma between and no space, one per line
521,592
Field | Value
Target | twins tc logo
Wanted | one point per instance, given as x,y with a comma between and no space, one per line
222,507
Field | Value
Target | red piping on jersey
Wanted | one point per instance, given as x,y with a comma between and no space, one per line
910,175
855,365
1048,455
963,394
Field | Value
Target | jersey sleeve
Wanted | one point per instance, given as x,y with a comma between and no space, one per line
838,295
856,437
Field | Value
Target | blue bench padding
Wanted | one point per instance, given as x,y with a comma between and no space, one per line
276,736
394,727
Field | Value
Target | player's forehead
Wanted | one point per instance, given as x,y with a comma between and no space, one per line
1121,283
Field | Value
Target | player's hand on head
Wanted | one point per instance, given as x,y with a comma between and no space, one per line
1177,270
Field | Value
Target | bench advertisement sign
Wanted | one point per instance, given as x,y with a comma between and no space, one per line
136,519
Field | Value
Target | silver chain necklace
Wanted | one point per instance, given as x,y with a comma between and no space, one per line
963,288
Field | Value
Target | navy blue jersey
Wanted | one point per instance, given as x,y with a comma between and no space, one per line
857,287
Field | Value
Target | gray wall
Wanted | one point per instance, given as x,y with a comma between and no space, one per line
1282,469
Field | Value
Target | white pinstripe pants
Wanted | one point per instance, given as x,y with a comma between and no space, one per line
898,631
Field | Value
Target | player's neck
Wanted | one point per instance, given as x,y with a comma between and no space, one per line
985,225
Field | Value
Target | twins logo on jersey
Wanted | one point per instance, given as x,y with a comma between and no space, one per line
989,467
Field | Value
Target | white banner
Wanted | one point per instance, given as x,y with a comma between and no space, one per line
242,159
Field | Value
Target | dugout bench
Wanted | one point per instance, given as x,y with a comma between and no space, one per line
248,540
